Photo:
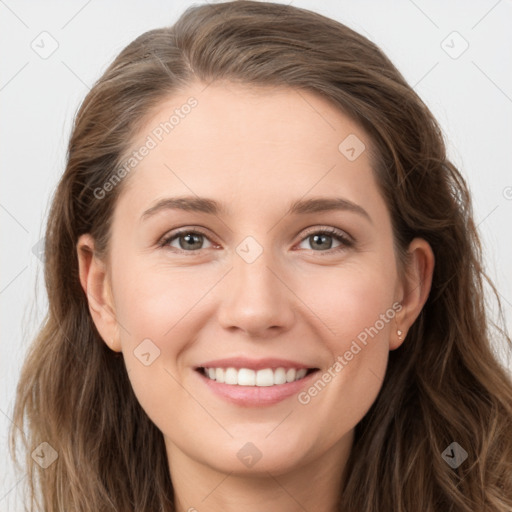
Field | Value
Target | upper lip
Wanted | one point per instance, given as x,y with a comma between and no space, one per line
253,364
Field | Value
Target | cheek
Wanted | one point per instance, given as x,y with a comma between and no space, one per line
151,312
358,308
342,395
150,301
155,305
351,303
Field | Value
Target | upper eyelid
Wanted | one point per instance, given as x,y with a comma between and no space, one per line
331,230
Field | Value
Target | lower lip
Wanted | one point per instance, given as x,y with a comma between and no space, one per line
256,396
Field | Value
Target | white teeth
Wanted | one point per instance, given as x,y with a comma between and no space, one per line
246,377
230,376
265,377
279,376
301,373
260,378
290,374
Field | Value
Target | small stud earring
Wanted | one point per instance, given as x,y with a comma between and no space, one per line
399,332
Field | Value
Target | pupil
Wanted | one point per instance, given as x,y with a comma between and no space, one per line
189,240
326,245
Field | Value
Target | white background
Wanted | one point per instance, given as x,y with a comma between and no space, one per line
471,96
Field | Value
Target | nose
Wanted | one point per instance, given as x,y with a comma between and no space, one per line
256,299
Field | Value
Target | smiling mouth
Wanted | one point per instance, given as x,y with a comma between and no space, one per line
265,377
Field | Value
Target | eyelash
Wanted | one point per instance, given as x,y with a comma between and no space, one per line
345,240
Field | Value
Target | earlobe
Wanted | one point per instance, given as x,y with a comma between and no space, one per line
95,282
415,289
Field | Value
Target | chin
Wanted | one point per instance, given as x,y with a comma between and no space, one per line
258,456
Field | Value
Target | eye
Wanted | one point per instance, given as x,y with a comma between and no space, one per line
187,240
321,240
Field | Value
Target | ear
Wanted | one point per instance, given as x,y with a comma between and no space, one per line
95,282
414,289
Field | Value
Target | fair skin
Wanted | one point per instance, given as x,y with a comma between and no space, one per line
255,152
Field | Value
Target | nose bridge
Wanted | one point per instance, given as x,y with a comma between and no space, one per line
256,299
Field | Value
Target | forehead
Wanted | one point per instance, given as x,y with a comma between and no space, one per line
257,143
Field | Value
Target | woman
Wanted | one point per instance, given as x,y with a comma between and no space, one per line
265,287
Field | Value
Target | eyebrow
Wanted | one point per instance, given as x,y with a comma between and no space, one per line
212,207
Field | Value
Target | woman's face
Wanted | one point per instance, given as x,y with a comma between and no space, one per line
253,282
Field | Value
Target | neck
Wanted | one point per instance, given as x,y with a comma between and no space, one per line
315,485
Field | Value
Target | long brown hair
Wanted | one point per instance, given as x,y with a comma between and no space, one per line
443,385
